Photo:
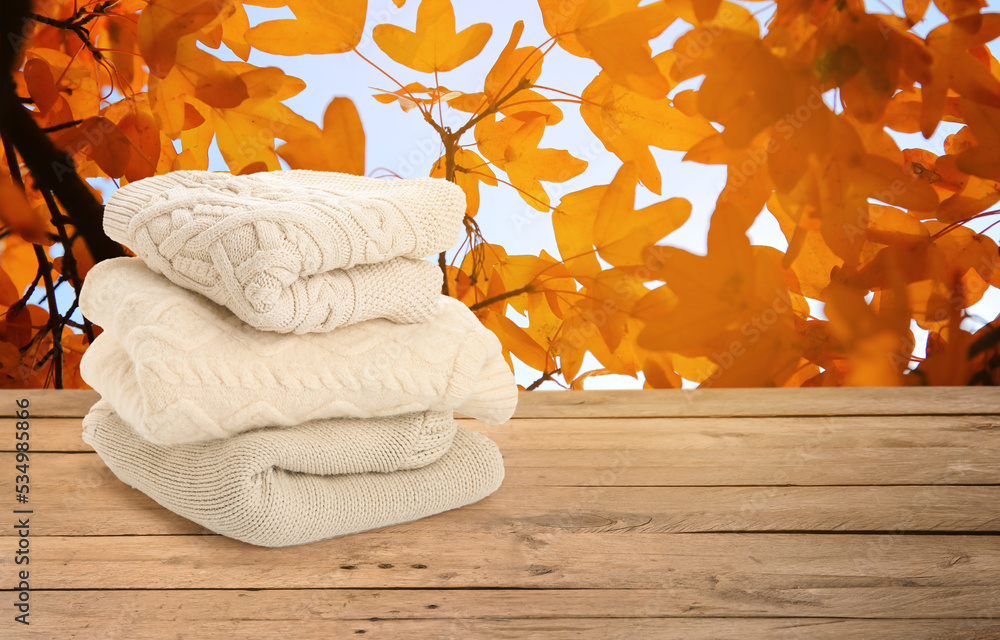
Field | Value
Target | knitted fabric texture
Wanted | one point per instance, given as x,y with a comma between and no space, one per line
277,487
273,247
181,369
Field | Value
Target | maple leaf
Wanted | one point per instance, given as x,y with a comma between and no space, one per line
865,56
74,83
984,123
163,22
517,67
746,87
101,140
615,34
954,67
408,99
512,145
628,123
603,219
435,45
876,339
318,27
21,218
732,305
341,147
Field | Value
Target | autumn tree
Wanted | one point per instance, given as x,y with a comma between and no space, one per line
799,111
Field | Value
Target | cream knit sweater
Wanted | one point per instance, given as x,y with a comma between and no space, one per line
277,487
273,247
182,369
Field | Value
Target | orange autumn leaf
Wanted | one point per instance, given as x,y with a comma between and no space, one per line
512,145
20,217
435,45
341,147
604,220
615,34
101,140
318,27
409,96
508,82
140,130
955,68
799,111
982,158
8,292
628,123
163,22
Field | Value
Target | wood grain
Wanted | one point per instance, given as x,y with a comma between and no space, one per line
760,402
754,513
659,402
201,606
64,482
708,451
387,559
270,623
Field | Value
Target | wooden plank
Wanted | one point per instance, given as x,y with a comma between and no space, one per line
660,402
760,402
629,467
48,403
385,559
46,434
79,495
65,610
805,434
272,622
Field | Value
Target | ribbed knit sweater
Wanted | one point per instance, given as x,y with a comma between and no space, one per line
277,248
277,487
180,368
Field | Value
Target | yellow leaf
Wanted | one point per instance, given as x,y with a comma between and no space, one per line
518,67
628,123
615,34
434,45
512,145
622,233
234,30
955,68
319,27
341,147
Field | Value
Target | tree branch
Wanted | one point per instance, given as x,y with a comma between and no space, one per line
52,169
545,376
55,326
502,296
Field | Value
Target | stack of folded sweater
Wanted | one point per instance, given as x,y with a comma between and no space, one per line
278,364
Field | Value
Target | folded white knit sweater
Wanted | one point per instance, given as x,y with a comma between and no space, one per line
272,246
180,368
277,487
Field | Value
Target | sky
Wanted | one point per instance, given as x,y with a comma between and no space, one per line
402,143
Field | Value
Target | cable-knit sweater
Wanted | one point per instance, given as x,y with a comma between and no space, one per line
273,246
277,487
180,368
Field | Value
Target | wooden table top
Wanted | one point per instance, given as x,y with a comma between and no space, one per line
745,513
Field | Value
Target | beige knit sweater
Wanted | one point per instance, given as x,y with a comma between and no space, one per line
182,369
277,248
277,487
